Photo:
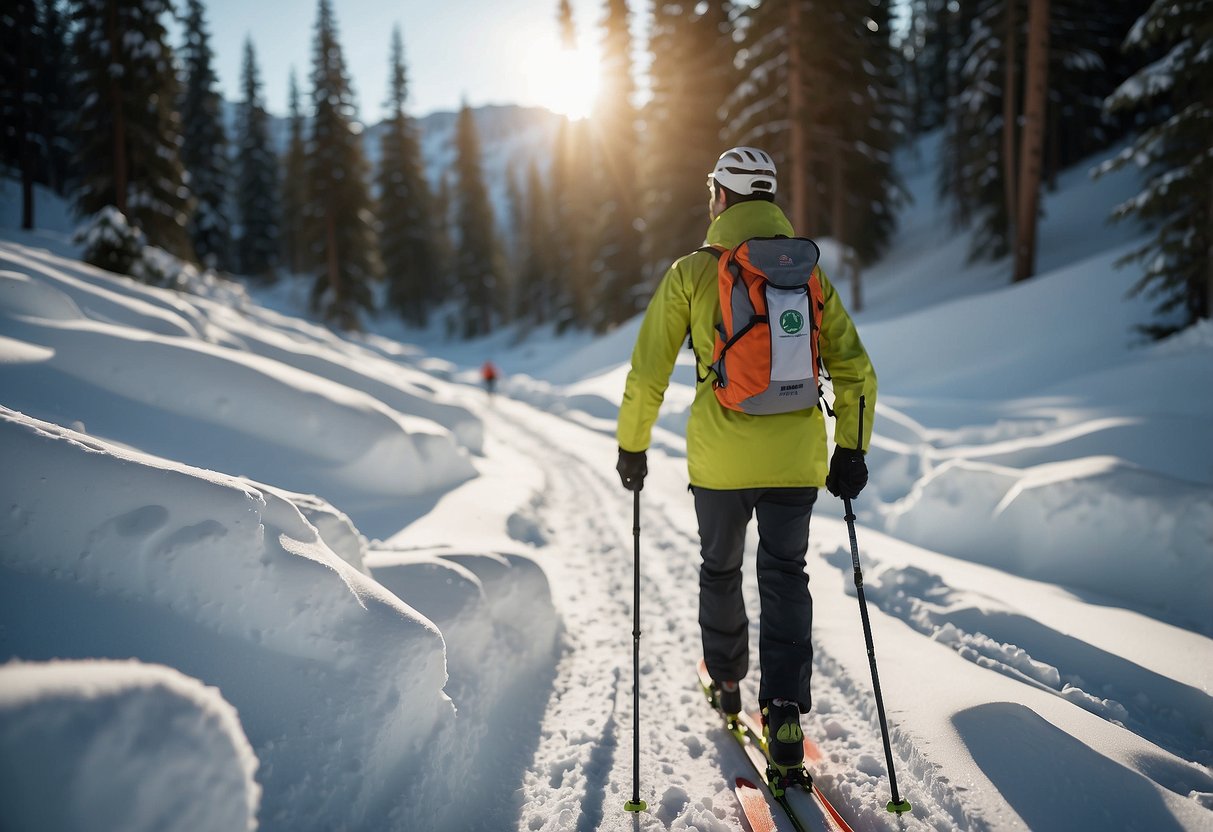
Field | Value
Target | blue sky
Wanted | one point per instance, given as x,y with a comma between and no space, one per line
481,50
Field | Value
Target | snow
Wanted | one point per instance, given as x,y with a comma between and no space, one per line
349,590
107,745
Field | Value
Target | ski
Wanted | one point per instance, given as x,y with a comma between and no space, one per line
752,723
820,814
754,806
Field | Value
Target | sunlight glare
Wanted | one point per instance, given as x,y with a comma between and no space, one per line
564,80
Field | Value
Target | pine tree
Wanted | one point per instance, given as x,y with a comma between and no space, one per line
440,225
976,171
616,266
573,211
33,99
478,274
571,206
21,48
204,142
128,133
762,108
294,188
405,234
935,35
512,231
257,178
869,189
339,219
691,76
1085,65
828,116
956,29
536,277
57,99
1174,97
981,169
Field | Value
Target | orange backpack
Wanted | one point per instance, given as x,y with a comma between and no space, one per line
766,358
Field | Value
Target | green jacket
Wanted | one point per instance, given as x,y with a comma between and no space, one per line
727,449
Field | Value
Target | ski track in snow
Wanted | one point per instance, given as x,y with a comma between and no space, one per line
1172,715
581,777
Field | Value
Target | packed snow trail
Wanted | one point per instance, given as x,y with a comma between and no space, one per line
581,521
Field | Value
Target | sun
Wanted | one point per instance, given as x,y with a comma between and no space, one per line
564,80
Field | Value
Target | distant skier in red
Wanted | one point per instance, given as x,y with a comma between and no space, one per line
489,373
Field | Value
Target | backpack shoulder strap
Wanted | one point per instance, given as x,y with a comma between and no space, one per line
717,253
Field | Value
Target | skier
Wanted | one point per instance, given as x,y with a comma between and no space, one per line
488,372
741,464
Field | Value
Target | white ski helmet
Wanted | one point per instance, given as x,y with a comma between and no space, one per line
745,170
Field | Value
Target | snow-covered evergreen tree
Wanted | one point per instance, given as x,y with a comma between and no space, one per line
109,242
405,233
976,172
980,171
478,274
873,189
127,128
257,191
1174,96
339,220
294,187
759,111
616,266
935,34
204,142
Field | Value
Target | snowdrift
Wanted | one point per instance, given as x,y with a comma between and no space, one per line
1096,524
108,745
337,682
496,614
143,367
190,481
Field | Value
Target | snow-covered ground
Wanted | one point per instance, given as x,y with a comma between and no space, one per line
252,572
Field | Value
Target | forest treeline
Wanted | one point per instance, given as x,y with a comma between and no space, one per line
98,105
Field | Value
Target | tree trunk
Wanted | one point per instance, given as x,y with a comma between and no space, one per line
330,255
1209,259
1053,122
1036,92
1010,109
797,149
24,121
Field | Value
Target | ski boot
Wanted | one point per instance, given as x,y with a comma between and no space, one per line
785,746
728,698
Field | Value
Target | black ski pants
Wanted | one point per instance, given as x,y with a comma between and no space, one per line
786,618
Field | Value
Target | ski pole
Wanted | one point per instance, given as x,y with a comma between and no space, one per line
636,804
897,805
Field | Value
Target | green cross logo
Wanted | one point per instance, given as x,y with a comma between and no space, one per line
791,322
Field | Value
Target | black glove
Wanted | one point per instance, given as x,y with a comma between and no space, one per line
848,473
632,468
